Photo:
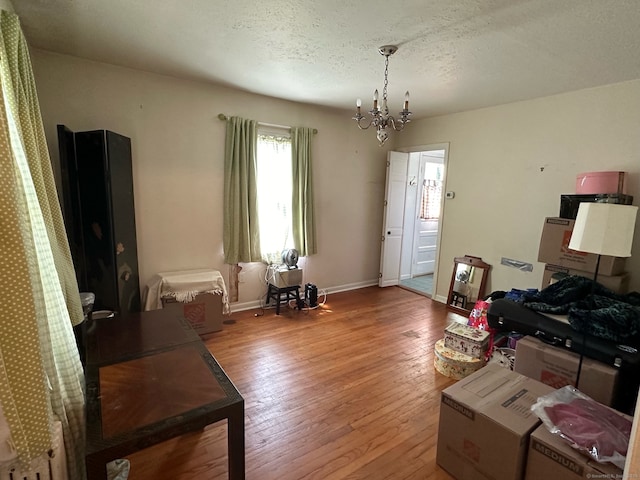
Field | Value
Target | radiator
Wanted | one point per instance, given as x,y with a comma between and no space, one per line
49,466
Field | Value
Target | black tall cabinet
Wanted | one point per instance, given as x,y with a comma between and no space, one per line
99,216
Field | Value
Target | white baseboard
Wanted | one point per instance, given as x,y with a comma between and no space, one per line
351,286
440,298
239,307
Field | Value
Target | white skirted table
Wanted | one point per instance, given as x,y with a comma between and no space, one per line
184,286
200,296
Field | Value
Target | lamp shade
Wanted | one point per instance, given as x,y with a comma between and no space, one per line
604,228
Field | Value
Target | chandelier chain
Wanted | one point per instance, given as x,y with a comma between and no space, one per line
386,80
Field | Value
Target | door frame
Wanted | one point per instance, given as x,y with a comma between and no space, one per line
428,148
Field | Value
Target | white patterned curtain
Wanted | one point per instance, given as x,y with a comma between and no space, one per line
40,370
274,195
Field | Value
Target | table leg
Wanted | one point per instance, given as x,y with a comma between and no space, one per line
266,303
235,441
96,470
277,298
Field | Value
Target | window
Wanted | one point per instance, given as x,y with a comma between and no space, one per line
274,185
268,192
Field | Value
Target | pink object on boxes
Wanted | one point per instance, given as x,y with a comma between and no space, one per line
601,182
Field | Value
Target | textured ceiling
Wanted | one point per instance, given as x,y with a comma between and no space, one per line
454,55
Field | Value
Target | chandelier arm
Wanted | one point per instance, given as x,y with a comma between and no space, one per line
360,126
399,126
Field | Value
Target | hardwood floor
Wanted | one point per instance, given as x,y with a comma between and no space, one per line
346,391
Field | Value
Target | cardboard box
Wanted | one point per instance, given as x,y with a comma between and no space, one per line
554,249
286,277
485,422
557,367
204,312
551,457
616,283
468,340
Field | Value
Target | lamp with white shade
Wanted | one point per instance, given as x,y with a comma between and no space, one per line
604,229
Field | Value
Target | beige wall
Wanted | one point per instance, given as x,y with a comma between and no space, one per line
509,164
178,148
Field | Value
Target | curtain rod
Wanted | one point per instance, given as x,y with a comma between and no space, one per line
222,116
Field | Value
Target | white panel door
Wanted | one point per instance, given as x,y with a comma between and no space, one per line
426,243
393,220
426,230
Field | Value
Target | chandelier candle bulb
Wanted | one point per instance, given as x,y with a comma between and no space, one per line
406,101
375,100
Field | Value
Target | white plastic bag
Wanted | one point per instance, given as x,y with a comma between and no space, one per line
118,469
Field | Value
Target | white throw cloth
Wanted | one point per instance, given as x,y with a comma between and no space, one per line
7,449
184,286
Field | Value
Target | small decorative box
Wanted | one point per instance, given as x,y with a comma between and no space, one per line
601,182
467,340
454,364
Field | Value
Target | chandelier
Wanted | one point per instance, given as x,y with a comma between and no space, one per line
380,117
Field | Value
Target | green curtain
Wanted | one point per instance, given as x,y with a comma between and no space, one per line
241,234
303,218
40,369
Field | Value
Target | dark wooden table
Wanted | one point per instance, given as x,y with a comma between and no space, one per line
150,378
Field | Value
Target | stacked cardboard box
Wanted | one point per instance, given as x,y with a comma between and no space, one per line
487,431
555,252
551,457
558,367
598,187
485,422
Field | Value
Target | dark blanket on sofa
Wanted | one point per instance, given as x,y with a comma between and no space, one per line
590,308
